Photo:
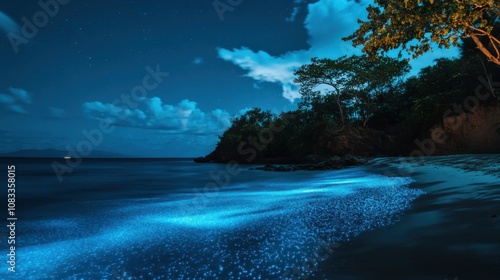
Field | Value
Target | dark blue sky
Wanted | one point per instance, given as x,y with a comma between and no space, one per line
78,66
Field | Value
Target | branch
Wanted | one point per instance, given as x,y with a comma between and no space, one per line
481,47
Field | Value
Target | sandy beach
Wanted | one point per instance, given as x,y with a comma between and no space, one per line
451,232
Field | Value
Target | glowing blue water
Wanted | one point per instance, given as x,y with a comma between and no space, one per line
143,224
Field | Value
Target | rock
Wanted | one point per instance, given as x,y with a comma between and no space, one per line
279,160
334,160
201,160
269,167
350,160
331,163
313,159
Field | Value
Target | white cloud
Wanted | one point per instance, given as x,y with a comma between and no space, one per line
293,15
16,100
245,110
295,11
152,113
262,66
327,22
21,95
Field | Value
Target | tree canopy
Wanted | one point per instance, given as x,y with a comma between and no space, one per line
382,113
352,83
414,24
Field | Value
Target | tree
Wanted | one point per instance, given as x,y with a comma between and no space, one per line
435,89
413,25
244,126
372,78
353,82
324,72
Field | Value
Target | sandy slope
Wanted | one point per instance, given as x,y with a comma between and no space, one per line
452,232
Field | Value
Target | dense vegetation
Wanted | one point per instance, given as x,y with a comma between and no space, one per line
362,106
413,25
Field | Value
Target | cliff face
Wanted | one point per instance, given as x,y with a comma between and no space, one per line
363,142
478,132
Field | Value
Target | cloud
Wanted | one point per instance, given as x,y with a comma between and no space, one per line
295,11
152,113
16,100
21,95
245,110
256,86
6,99
7,24
293,15
198,60
262,66
326,23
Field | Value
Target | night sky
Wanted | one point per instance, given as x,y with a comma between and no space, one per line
91,61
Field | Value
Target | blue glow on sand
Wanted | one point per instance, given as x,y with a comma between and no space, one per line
254,231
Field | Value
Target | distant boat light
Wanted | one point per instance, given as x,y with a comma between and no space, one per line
67,157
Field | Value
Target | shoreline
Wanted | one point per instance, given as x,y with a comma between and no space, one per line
451,232
310,162
318,163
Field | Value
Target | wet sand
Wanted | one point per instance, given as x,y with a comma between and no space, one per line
451,232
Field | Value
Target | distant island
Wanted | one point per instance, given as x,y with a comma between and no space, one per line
357,107
54,153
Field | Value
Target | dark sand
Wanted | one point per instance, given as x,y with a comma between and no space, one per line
452,232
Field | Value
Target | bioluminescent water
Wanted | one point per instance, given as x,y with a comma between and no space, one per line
262,225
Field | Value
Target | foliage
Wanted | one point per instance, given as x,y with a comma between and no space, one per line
372,80
352,84
414,24
432,92
359,89
334,74
244,126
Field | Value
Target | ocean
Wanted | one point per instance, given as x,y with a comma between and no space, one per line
175,219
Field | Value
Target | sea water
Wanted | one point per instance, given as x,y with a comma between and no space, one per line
174,219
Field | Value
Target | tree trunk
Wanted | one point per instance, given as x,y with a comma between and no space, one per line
341,111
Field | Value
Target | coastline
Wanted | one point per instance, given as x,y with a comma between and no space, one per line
451,232
311,162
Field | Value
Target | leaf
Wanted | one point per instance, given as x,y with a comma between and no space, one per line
391,24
